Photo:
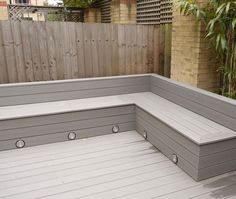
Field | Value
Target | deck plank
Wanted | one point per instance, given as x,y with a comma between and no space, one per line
121,165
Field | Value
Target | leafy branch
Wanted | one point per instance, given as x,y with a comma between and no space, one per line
220,19
80,3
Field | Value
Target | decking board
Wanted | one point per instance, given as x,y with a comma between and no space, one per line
197,129
122,165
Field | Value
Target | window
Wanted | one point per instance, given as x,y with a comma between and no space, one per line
22,1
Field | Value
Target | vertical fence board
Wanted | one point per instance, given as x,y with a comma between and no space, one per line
94,52
162,50
133,47
66,51
114,50
58,36
139,48
128,37
73,50
145,49
37,67
156,61
101,51
87,50
167,58
19,56
121,46
34,51
150,50
107,36
3,65
8,44
80,49
27,52
51,50
42,39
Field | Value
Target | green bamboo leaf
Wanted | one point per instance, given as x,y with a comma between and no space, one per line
210,25
209,34
218,41
198,14
185,8
227,7
233,23
223,43
220,9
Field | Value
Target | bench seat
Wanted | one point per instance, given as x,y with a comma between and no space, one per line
191,125
202,137
171,128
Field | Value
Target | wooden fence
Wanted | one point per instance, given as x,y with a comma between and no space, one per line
35,51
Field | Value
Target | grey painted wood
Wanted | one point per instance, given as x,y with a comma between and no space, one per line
121,165
167,151
24,93
195,164
168,131
49,97
176,123
191,125
65,117
217,169
54,128
212,106
71,85
178,148
63,136
181,145
62,127
217,158
218,146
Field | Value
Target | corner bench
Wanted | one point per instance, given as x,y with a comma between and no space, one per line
193,125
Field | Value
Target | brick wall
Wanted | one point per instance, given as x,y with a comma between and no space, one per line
123,11
192,60
3,10
92,15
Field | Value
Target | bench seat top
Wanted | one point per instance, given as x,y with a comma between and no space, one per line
191,125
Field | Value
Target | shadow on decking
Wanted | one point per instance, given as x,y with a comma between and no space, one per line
226,187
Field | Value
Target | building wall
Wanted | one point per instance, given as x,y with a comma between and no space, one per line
124,11
192,60
92,15
31,2
3,10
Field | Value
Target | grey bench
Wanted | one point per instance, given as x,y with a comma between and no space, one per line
187,124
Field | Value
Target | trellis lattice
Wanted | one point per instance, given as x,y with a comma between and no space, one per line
154,11
17,12
105,6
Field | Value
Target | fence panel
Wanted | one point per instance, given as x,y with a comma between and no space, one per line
38,51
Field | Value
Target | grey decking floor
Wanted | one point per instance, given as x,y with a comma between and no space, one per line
120,165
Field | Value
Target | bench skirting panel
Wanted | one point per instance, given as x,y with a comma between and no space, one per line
199,161
55,128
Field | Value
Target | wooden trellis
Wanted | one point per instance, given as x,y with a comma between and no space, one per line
18,12
166,11
154,11
105,6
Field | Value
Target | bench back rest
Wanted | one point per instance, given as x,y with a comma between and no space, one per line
37,92
212,106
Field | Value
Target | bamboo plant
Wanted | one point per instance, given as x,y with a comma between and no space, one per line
219,17
80,3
